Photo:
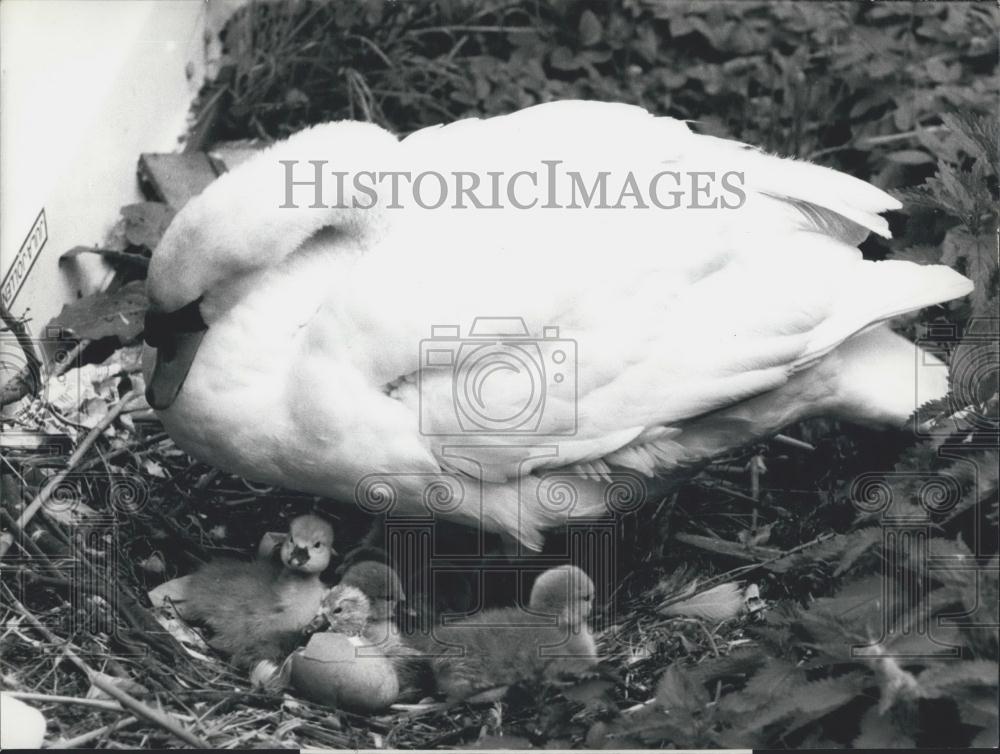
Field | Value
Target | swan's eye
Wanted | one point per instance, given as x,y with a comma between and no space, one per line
317,545
338,609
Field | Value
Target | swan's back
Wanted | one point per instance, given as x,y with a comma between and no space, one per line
687,330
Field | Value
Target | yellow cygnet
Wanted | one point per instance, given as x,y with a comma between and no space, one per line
257,610
507,645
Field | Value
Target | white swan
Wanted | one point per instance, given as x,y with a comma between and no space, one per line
695,330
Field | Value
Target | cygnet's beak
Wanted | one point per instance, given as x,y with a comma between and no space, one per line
299,557
320,623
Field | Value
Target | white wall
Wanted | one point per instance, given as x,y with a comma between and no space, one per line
85,87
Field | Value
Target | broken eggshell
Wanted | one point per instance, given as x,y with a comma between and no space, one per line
344,671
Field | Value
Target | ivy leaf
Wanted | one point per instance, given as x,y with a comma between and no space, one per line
563,59
591,30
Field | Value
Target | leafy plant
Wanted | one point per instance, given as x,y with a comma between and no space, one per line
852,83
964,194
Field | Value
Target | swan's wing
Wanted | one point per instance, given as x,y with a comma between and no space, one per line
673,314
829,201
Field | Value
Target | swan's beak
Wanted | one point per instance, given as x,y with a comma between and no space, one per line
175,336
174,355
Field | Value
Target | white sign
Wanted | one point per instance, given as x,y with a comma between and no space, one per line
24,260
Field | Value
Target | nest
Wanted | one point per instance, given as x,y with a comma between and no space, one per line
101,507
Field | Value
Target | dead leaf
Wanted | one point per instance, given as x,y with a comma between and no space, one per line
153,564
146,222
119,314
154,468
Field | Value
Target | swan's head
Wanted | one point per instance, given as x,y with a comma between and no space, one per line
196,266
565,591
379,583
309,544
244,224
345,610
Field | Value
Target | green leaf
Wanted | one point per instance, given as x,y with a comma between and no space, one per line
564,59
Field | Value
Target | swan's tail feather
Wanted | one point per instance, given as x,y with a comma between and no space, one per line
880,292
831,202
881,378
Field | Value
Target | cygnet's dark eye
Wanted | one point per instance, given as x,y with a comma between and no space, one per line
317,545
338,609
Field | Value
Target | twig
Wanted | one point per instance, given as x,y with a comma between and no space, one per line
732,549
30,696
476,29
801,444
871,141
128,701
128,257
86,738
140,446
63,365
711,639
756,469
71,464
23,540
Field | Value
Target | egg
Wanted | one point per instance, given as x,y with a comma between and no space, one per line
21,726
344,671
